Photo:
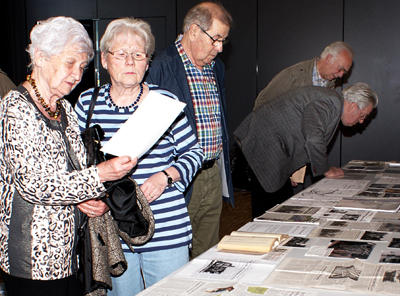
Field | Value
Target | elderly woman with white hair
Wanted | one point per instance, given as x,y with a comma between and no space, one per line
164,172
45,186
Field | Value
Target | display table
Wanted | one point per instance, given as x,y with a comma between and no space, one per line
344,240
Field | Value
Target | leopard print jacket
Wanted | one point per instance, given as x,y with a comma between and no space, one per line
38,193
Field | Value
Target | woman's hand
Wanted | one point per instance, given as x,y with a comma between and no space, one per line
115,168
334,172
154,186
93,208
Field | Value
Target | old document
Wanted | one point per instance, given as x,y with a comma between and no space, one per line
142,130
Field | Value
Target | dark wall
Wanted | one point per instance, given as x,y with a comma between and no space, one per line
291,31
14,38
268,36
372,28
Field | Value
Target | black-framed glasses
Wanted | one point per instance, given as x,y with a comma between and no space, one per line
215,42
122,55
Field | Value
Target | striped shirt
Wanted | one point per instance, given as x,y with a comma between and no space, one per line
177,147
317,80
204,92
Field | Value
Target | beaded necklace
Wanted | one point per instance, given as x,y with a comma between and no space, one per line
131,105
46,107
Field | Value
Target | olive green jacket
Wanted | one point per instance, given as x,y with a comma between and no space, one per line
300,74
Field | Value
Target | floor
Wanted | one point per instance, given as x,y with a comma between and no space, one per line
232,218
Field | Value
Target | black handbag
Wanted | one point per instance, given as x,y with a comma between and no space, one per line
92,136
127,203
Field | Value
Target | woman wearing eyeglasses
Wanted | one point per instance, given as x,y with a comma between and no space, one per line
164,172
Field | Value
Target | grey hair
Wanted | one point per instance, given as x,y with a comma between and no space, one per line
128,25
51,36
336,48
204,13
361,94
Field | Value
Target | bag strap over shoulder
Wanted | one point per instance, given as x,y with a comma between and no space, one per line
92,105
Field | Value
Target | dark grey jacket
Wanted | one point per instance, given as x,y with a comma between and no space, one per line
287,132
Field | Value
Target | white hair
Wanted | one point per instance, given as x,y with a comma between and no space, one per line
128,25
51,36
361,94
336,48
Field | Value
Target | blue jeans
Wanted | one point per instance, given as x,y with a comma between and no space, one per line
147,268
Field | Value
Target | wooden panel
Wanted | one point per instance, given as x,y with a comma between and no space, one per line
372,28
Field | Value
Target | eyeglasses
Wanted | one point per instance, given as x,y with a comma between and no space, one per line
340,68
215,42
362,116
122,55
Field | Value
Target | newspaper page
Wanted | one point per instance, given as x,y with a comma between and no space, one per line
343,249
290,229
332,189
344,184
324,193
369,167
183,287
372,226
380,191
293,201
336,233
390,257
288,218
289,209
381,205
350,275
388,179
381,216
227,269
349,215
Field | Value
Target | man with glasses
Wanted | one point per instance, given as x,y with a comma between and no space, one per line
293,130
335,61
189,69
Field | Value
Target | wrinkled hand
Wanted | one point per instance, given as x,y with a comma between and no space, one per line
115,168
93,208
334,172
154,186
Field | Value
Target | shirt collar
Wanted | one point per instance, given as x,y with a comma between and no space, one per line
185,58
317,79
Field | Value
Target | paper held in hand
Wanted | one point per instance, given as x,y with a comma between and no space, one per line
142,130
253,243
298,176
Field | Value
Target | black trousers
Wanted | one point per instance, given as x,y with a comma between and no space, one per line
16,286
262,200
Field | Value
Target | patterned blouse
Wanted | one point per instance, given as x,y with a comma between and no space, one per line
39,189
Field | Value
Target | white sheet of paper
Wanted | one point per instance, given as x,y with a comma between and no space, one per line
149,122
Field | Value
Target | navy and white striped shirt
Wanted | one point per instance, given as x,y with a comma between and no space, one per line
178,147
